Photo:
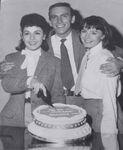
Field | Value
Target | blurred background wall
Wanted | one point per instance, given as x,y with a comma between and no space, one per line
11,12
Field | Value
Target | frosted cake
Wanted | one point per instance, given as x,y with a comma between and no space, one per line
61,123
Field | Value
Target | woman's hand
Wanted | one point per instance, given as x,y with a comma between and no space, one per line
112,67
36,85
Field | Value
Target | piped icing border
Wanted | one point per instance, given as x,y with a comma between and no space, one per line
66,126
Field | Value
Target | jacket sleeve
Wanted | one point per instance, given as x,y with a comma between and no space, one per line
118,52
109,95
15,80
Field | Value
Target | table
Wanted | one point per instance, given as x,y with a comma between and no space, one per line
17,138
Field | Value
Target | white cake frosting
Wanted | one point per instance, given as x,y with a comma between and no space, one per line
62,123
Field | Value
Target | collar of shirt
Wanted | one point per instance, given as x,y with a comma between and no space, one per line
31,58
98,49
56,42
59,38
68,38
28,52
95,49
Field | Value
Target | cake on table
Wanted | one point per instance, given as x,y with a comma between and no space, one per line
60,123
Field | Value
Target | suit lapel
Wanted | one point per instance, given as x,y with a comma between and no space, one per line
76,47
18,59
42,61
50,45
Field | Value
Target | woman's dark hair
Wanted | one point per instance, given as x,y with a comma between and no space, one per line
100,23
61,4
30,20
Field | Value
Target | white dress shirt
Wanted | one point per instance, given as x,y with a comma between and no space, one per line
56,42
97,85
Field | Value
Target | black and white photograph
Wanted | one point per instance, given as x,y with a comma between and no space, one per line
61,75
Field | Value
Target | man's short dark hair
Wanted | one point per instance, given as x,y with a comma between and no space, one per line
61,4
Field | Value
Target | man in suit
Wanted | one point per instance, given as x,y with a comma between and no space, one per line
61,17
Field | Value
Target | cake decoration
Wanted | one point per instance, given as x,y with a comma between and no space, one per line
60,123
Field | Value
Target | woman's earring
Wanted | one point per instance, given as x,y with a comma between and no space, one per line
44,37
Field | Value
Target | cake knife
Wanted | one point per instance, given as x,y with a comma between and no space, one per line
46,99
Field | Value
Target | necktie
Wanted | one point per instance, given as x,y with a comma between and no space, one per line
81,71
66,70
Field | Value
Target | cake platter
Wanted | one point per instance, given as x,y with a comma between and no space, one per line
72,141
80,144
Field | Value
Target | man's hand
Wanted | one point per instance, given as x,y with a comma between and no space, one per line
6,66
112,67
37,85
